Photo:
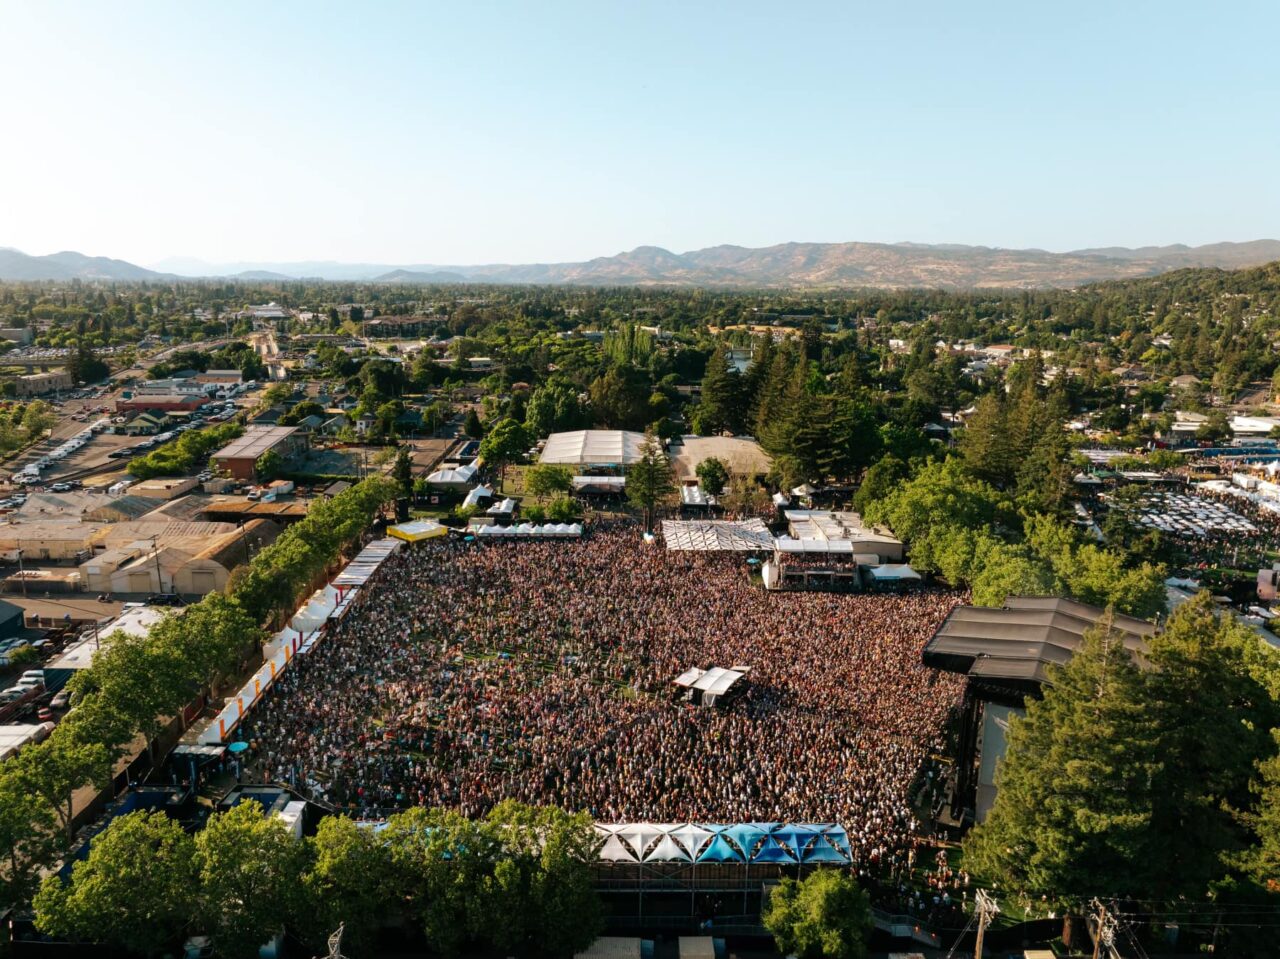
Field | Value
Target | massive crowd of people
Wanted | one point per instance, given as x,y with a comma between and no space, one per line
542,671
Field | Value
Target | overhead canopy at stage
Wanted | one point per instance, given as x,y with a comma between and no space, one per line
707,843
1018,641
709,535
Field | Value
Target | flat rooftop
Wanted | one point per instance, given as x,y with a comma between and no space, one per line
255,441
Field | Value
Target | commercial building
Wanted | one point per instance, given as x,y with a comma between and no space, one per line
220,377
164,487
240,457
22,335
166,402
37,384
49,540
190,567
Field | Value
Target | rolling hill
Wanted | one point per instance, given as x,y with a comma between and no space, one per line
804,265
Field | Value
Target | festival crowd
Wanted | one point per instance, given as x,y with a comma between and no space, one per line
469,673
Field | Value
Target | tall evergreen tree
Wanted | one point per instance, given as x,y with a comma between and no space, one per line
649,480
1074,809
722,407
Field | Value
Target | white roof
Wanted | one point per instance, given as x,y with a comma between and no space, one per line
506,506
475,495
596,447
458,477
617,482
891,571
716,535
694,496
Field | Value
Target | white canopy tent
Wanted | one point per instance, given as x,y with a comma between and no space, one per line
460,476
894,573
474,496
593,448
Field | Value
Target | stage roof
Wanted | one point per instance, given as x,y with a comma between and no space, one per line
1020,639
711,535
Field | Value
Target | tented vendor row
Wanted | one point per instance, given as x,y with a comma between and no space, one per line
305,629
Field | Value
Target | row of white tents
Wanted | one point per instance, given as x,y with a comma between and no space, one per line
530,530
305,629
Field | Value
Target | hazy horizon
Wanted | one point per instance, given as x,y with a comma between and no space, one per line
504,134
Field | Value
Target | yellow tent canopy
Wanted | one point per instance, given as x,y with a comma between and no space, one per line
416,530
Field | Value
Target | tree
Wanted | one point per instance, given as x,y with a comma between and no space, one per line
269,466
472,426
1074,804
1207,695
59,766
824,916
985,442
38,419
300,412
649,480
403,471
619,400
554,407
28,837
84,366
441,866
713,475
344,883
504,444
248,866
548,478
137,888
879,482
277,393
562,509
542,879
722,408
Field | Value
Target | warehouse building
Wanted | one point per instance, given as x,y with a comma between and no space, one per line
239,458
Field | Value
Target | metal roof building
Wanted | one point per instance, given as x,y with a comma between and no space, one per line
241,455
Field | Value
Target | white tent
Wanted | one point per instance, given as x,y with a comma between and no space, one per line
639,836
691,837
504,508
668,850
894,573
454,477
475,495
593,447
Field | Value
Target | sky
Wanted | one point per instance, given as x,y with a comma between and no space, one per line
474,132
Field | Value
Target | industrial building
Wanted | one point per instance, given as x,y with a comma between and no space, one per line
239,458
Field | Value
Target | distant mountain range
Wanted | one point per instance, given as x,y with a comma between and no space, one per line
805,265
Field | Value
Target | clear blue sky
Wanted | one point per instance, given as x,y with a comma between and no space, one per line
482,132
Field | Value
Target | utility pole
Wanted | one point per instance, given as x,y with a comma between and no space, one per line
1104,931
987,910
155,553
22,573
